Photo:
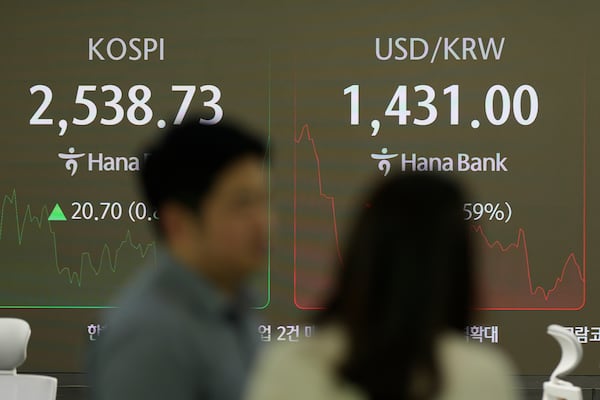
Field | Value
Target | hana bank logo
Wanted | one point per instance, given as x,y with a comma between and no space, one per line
99,162
71,158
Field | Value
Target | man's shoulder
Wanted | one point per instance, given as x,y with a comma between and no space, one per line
146,306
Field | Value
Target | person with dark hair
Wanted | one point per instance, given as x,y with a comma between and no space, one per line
182,329
395,324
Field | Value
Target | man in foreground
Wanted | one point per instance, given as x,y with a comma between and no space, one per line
182,329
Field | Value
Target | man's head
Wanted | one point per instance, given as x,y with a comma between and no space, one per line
208,186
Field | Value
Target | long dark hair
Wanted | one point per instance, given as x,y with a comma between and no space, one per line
406,277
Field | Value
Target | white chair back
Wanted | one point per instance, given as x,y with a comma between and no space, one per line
571,355
14,337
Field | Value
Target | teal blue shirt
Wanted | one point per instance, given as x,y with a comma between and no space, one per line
174,336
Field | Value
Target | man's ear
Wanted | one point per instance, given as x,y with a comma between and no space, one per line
174,220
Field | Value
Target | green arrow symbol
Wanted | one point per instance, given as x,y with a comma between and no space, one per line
57,214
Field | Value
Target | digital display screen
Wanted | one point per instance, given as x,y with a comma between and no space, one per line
501,95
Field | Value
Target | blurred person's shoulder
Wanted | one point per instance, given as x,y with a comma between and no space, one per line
303,370
154,308
474,370
308,369
140,304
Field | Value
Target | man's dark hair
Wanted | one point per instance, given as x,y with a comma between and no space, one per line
182,164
